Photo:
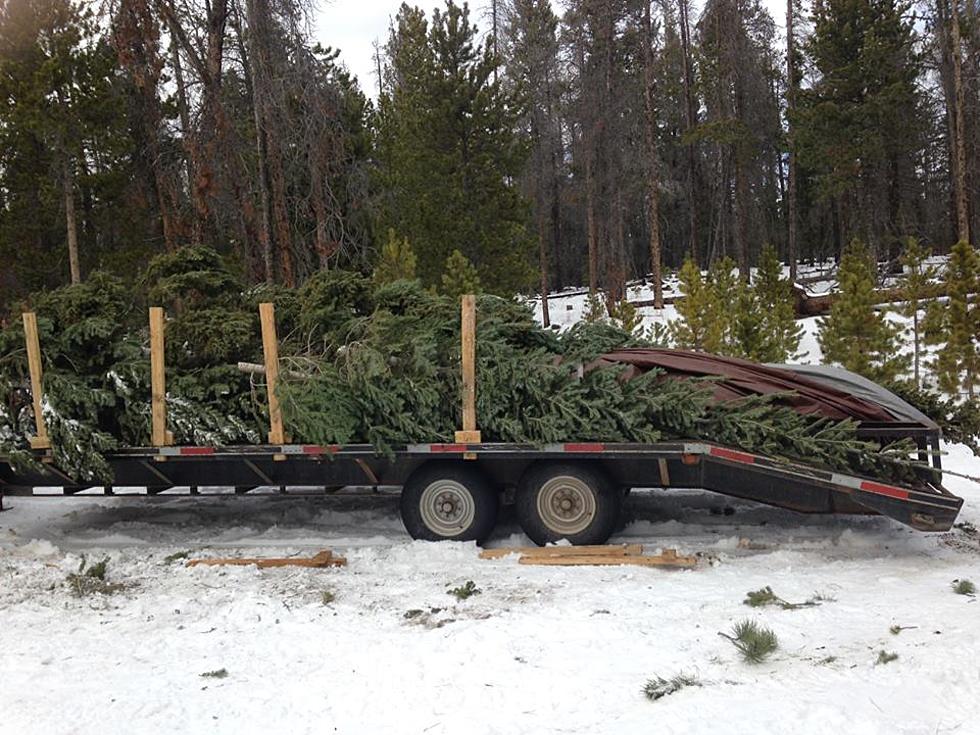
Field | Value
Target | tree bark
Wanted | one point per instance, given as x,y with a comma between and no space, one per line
653,164
959,141
792,247
690,122
254,62
71,226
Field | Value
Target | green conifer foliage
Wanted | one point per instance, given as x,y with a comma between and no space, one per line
917,286
459,276
955,325
397,260
855,335
699,327
779,332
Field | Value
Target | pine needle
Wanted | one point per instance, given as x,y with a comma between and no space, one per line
658,687
754,642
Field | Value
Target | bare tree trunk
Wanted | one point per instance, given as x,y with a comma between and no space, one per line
590,224
71,226
962,195
280,213
690,121
653,177
254,62
792,247
543,265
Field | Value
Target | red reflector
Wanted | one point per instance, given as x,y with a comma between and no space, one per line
314,449
585,447
891,492
196,450
732,455
447,447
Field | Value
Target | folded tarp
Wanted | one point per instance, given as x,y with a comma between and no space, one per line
734,378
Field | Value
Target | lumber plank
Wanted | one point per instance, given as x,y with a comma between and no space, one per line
40,440
468,357
270,351
320,560
160,437
666,559
552,552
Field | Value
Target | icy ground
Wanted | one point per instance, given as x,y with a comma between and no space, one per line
540,649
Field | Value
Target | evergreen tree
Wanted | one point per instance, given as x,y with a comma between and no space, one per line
859,127
955,325
459,276
448,152
855,335
702,325
781,333
917,286
397,260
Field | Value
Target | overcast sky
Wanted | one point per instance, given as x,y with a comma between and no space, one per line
354,25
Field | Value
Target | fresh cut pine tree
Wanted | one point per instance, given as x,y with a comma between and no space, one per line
955,325
855,335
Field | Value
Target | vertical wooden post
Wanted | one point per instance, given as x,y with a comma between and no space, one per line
270,349
160,437
41,441
469,434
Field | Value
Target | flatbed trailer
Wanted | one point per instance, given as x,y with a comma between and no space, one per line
572,491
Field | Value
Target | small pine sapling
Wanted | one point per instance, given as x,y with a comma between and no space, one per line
699,327
777,305
955,324
625,316
459,276
595,309
917,286
855,335
396,262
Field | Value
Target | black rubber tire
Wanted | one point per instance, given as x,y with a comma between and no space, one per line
485,501
607,498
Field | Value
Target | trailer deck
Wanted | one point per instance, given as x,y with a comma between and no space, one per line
502,467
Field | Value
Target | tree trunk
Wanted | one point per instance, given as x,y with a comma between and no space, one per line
792,247
690,122
255,61
543,265
590,224
71,226
959,141
653,176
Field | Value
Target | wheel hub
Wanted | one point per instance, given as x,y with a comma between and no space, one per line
447,507
567,505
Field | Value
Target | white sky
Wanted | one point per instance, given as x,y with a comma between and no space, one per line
354,25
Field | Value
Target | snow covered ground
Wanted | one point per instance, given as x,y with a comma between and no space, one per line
540,649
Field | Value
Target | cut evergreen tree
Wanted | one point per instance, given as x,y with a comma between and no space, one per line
856,335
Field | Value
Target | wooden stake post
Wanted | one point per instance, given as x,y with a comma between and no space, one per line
270,349
469,434
41,441
160,437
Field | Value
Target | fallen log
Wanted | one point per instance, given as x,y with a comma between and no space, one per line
318,561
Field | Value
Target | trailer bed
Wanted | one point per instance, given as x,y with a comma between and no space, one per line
796,486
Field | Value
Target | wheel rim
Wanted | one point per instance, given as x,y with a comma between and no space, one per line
566,505
447,507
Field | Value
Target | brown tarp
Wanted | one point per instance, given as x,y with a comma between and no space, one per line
740,378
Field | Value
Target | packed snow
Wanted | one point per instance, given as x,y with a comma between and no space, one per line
381,646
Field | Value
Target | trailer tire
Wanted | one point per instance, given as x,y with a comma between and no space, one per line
567,501
444,501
